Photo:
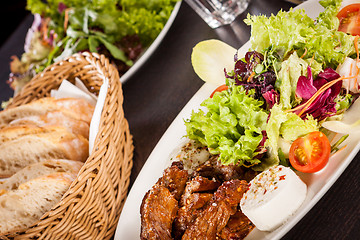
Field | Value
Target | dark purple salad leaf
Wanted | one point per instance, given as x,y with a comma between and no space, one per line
253,73
268,80
252,59
261,149
245,74
61,7
240,69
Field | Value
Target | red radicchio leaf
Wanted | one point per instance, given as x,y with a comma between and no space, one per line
305,87
323,106
329,74
271,97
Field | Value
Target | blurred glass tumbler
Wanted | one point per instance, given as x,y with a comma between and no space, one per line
217,13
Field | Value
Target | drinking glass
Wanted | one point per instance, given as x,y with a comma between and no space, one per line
217,13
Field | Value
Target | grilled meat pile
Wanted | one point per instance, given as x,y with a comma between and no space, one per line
200,205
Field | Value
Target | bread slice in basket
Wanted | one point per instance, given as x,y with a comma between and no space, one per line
73,107
40,187
54,118
39,169
25,145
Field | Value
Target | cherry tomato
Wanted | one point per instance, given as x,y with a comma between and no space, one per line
310,153
349,18
219,89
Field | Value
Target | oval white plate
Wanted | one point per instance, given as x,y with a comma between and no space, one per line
145,56
129,223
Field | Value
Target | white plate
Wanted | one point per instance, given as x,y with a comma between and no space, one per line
318,183
145,56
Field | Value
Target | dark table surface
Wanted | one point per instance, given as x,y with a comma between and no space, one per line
156,93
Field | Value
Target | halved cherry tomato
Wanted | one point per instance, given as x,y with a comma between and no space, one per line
349,18
219,89
310,153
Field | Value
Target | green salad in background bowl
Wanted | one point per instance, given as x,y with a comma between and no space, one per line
122,30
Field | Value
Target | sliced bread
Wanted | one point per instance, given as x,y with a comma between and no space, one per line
55,118
19,151
39,169
13,132
24,206
73,107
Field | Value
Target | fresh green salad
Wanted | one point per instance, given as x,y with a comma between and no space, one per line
120,29
281,102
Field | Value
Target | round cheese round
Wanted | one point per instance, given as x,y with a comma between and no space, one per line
273,196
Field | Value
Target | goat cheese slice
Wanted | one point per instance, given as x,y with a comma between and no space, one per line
273,196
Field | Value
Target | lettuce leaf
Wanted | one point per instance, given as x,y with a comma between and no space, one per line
231,126
294,30
291,70
295,127
281,32
144,23
286,126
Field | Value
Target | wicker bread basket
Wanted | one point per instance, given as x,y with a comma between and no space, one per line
91,207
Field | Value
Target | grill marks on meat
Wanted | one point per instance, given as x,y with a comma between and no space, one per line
160,204
215,217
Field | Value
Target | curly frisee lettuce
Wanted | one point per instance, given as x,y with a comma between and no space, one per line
232,126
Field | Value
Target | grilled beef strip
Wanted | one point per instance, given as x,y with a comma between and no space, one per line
199,184
160,204
237,228
174,178
198,192
158,211
212,220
